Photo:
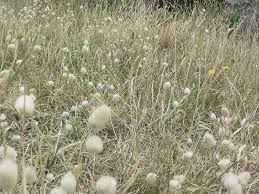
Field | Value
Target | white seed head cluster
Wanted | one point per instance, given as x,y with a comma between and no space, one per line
94,144
83,71
174,185
236,183
209,140
116,97
2,117
49,177
213,117
65,114
180,178
187,155
100,116
151,179
85,104
167,85
244,178
16,138
25,104
8,174
68,182
187,91
175,104
106,185
224,163
228,145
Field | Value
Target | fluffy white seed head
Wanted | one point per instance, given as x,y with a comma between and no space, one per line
231,182
68,127
228,145
68,182
180,178
116,97
83,71
22,90
174,185
16,138
85,49
10,153
99,86
223,163
97,95
244,178
85,103
57,190
167,85
111,87
187,155
106,185
37,48
100,117
71,77
227,120
209,139
30,174
74,108
65,50
187,91
65,114
2,117
19,62
94,144
243,122
12,46
8,174
175,104
50,83
25,104
49,177
189,140
90,84
103,67
151,179
213,116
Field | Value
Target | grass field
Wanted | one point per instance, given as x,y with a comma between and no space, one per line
172,102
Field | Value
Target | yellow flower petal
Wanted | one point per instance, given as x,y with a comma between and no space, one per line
225,67
212,72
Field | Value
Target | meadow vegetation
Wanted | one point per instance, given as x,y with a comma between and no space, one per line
103,100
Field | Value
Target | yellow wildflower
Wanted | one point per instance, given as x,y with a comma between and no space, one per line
225,67
212,72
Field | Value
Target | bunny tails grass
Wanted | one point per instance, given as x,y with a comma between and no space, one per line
94,144
8,174
68,182
106,185
99,117
120,97
25,104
